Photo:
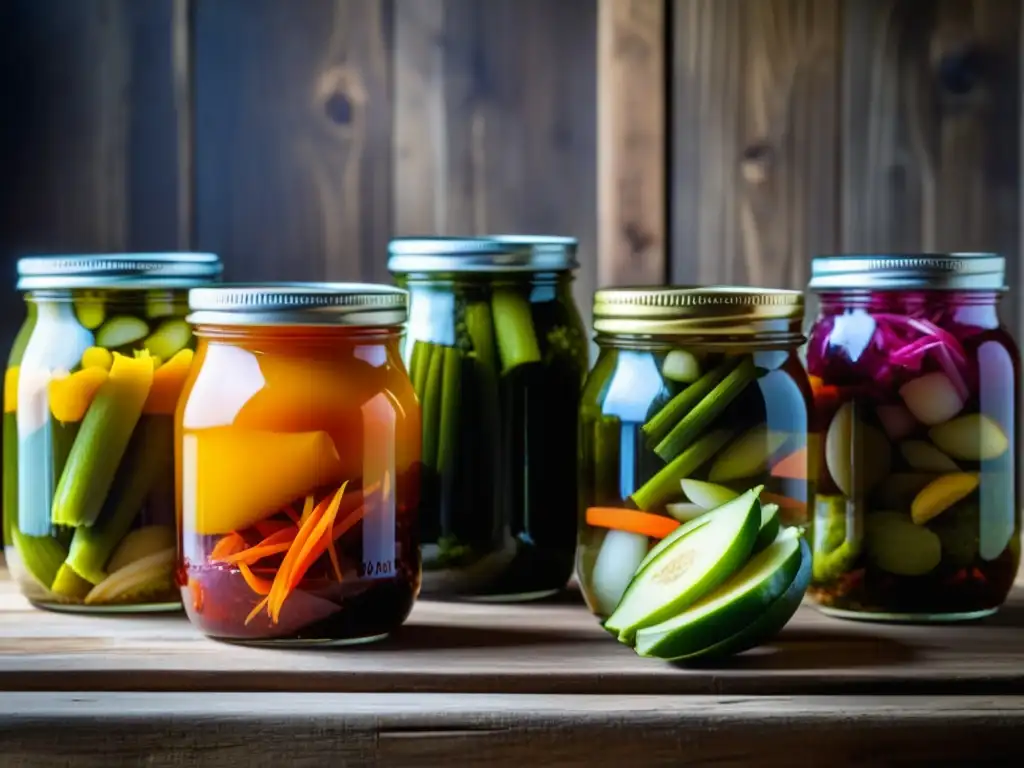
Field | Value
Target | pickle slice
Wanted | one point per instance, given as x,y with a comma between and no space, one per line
898,546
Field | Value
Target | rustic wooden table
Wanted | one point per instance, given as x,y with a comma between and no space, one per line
467,685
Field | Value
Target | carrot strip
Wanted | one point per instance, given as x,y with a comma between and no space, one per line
292,516
644,523
354,517
272,545
255,611
228,545
257,584
307,509
317,541
279,591
793,466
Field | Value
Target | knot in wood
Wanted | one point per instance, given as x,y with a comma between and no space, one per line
756,162
340,94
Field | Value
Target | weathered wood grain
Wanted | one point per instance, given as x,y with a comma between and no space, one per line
554,648
755,167
931,128
495,121
293,137
632,142
226,730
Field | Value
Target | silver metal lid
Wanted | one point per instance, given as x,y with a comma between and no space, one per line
354,304
911,271
118,271
489,253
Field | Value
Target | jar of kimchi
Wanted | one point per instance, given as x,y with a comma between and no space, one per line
298,449
917,392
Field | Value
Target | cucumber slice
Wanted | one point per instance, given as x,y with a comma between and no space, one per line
90,311
168,339
620,555
683,530
707,495
769,527
121,330
857,454
898,546
748,456
769,623
974,437
925,457
728,609
690,567
684,512
681,366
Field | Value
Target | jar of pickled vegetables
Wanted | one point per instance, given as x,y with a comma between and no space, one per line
89,396
697,396
916,389
498,352
298,465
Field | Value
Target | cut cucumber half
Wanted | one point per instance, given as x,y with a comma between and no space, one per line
168,339
727,610
683,530
121,330
684,512
707,495
769,623
748,455
769,527
690,567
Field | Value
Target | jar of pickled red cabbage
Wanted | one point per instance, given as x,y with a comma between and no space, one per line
498,352
89,396
697,396
916,388
298,465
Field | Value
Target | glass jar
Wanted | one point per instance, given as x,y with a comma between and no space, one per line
498,352
89,396
298,461
697,395
916,389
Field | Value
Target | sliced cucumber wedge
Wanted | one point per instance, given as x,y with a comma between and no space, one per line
707,495
121,330
728,609
690,567
684,512
769,527
168,339
769,623
748,455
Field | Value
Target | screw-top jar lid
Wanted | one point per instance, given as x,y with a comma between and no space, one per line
910,271
763,316
491,253
352,304
118,271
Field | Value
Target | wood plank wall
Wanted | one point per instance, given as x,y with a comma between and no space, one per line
682,140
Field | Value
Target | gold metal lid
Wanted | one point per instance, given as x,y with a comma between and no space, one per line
741,314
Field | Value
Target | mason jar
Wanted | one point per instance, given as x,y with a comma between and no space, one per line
498,351
89,396
917,390
697,396
298,440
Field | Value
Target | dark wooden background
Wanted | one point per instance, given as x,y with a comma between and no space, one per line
683,140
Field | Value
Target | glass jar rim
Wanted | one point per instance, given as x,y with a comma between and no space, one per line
483,254
118,271
299,304
908,271
750,315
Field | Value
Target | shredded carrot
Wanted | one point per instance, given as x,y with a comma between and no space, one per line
257,584
255,611
317,542
197,594
644,523
307,510
272,545
793,466
280,590
228,545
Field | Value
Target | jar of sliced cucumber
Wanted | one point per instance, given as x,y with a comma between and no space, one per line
697,395
916,388
90,392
